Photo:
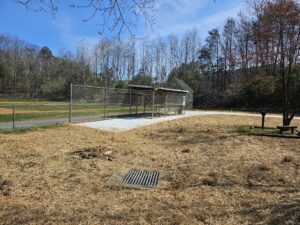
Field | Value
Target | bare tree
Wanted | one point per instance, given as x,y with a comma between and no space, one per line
146,57
82,59
130,59
244,43
174,52
210,56
228,47
161,60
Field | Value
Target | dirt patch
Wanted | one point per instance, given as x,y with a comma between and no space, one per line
260,175
10,111
33,103
96,152
287,159
211,180
4,111
4,186
27,165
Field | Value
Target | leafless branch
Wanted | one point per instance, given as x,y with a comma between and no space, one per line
115,16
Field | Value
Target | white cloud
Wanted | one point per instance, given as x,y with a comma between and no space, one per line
173,16
179,16
67,35
182,7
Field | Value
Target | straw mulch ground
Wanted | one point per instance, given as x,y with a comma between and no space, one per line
215,176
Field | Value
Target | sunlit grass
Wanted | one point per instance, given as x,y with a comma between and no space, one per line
32,112
22,130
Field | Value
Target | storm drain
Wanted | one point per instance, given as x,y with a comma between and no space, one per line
141,178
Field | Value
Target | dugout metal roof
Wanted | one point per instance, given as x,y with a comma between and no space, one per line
161,89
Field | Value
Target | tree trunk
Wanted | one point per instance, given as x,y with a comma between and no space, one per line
285,103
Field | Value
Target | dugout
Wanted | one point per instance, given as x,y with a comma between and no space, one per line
159,100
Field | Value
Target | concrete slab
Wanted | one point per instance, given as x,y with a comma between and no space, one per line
128,123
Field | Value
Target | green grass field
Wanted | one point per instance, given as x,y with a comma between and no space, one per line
34,109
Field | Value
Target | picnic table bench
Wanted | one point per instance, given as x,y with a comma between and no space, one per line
286,128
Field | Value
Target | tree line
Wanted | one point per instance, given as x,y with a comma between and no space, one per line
253,61
28,70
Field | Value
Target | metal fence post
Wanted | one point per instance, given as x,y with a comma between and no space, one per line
177,107
14,116
70,103
104,103
153,101
166,104
136,103
130,101
144,101
263,114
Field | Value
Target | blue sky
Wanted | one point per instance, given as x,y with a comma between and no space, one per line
67,29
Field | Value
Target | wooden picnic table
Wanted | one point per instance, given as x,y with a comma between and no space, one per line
286,128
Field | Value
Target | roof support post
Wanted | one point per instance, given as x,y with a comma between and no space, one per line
136,103
70,103
130,101
153,101
104,103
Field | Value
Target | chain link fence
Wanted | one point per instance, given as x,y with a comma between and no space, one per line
14,116
89,103
101,102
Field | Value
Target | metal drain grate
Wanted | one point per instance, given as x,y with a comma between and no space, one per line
141,178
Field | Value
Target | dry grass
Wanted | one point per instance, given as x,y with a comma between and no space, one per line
59,176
